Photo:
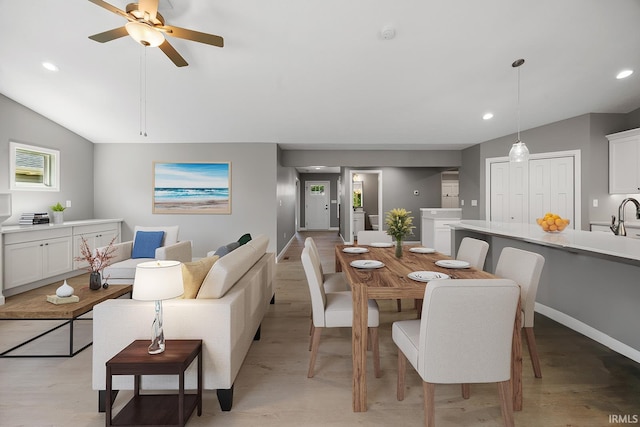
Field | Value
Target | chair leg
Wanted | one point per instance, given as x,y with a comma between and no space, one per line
402,370
399,303
466,391
375,347
506,403
533,351
314,350
429,399
312,330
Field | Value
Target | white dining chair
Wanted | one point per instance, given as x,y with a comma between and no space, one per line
367,237
464,336
334,310
474,251
332,282
524,268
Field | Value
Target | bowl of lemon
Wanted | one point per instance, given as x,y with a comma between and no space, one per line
552,223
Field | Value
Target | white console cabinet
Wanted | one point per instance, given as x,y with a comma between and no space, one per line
31,255
436,232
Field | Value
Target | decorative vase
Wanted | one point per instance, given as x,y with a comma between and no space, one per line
398,248
95,281
58,217
64,291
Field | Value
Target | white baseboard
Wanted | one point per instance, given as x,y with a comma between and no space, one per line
284,250
589,331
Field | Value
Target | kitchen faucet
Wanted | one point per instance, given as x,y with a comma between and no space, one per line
619,229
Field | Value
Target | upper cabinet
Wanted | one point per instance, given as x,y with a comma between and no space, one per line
624,162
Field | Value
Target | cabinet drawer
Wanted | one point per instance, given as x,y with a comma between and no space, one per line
36,235
94,228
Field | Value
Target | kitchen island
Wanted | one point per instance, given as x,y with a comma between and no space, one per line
590,281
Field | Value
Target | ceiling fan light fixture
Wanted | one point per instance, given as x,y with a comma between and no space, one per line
144,34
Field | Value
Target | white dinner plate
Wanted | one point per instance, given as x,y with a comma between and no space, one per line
381,244
452,263
366,263
355,250
421,250
425,276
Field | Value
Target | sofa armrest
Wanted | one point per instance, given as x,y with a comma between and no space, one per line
180,251
121,251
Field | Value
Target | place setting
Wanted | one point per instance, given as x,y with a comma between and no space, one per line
366,263
452,263
355,250
422,250
427,276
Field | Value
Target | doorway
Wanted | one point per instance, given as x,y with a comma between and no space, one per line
316,202
366,186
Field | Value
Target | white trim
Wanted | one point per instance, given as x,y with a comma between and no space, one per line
380,209
577,180
589,332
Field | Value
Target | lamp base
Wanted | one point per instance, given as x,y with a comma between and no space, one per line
157,334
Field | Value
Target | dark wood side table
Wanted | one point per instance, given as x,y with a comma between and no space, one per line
155,409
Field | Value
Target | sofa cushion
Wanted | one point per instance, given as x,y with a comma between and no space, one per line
146,243
226,272
223,250
244,239
193,273
260,244
170,233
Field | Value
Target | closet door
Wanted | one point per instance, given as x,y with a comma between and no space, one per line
499,199
552,188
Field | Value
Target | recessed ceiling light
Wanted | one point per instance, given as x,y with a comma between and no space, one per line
624,74
487,116
50,66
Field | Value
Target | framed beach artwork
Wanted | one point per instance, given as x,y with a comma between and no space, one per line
191,188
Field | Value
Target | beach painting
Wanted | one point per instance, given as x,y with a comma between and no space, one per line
191,188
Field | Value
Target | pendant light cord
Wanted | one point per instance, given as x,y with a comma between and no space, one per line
518,109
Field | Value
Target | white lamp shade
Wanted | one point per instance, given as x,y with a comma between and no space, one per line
519,152
157,281
144,34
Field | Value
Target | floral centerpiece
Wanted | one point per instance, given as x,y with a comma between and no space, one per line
97,261
399,225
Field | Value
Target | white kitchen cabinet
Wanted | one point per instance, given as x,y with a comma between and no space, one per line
29,257
96,235
436,232
624,162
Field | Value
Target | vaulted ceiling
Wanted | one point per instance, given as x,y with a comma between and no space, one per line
319,74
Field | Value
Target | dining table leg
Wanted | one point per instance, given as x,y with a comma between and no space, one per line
359,346
516,361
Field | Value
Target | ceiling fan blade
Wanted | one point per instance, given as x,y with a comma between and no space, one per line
111,8
196,36
150,7
172,54
107,36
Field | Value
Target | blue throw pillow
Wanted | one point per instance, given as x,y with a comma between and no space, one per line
146,243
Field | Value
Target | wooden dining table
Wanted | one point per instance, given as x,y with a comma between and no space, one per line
391,282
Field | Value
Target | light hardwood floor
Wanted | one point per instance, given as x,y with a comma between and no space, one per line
583,382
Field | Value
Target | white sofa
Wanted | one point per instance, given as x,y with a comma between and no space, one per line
226,315
122,269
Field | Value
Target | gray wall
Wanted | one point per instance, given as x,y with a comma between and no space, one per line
367,158
20,124
585,133
333,195
123,188
286,195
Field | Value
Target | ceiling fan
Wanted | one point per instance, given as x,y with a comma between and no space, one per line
147,27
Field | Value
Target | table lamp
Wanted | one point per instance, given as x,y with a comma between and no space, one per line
157,281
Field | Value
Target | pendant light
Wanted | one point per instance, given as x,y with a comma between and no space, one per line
519,151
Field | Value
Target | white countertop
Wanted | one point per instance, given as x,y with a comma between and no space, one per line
66,224
440,213
578,240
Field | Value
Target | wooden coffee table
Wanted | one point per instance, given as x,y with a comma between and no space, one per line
33,305
155,409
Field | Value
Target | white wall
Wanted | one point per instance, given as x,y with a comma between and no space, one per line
123,188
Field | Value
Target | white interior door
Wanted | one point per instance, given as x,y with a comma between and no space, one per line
519,192
499,201
316,204
552,188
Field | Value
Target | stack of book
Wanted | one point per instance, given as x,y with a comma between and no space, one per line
29,218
